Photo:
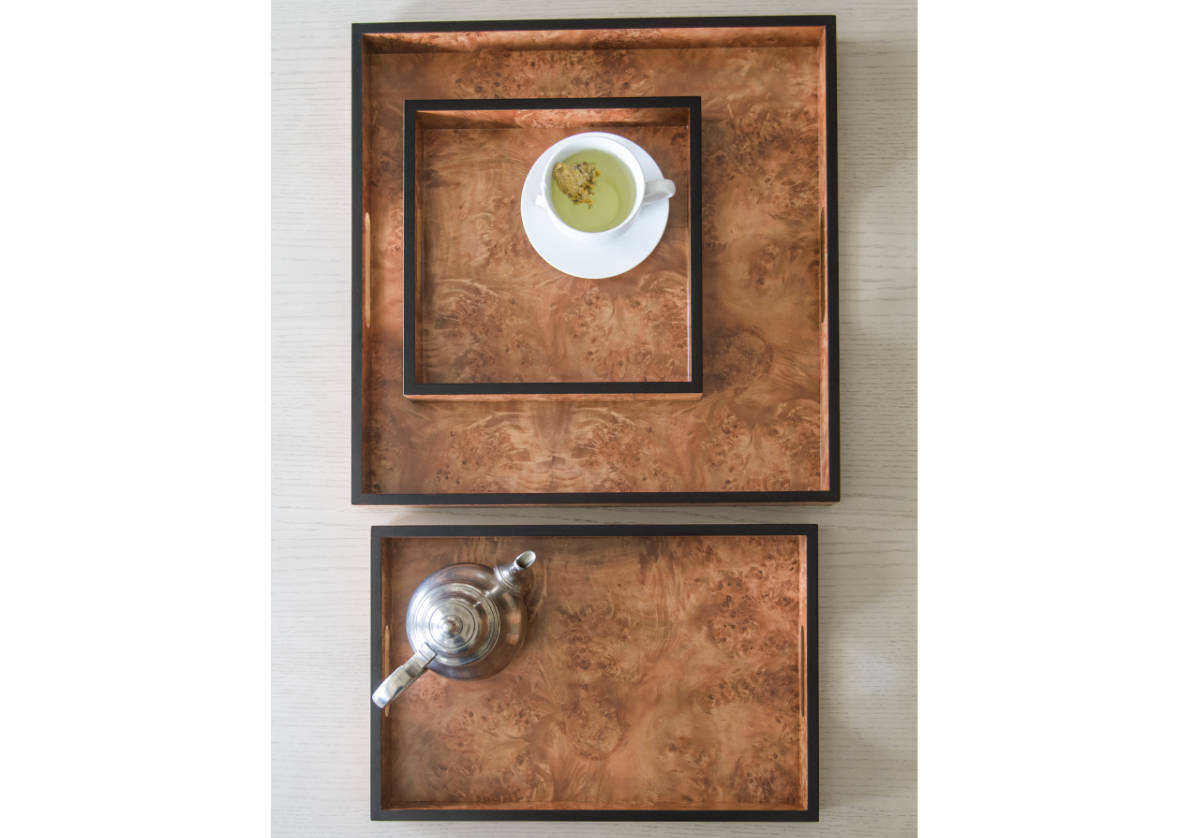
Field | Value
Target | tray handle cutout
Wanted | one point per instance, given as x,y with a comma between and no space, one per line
366,246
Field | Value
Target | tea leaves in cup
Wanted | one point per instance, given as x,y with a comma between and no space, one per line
599,205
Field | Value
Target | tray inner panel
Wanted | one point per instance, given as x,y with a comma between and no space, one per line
489,309
762,423
660,672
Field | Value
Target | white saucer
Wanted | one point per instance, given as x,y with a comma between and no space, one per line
601,260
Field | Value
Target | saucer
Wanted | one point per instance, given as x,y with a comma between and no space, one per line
601,259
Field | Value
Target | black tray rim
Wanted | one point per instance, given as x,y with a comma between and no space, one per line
695,384
381,532
359,497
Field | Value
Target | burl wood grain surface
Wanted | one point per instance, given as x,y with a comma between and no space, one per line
660,672
490,309
762,424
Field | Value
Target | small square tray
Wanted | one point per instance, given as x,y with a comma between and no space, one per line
669,673
486,317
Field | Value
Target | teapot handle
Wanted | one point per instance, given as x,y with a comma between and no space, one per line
403,678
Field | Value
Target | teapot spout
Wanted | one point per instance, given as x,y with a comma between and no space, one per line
510,574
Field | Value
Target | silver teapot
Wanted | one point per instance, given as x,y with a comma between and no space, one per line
463,621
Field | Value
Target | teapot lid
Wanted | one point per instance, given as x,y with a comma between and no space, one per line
462,612
456,620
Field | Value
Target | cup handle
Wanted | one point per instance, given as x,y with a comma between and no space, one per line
658,189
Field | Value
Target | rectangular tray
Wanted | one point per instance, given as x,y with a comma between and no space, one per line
670,673
485,316
766,426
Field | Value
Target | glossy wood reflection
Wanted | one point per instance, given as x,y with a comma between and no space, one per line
660,672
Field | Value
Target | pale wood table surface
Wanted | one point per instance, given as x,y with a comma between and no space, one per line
321,556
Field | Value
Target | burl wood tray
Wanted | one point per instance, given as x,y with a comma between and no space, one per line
485,317
669,674
766,426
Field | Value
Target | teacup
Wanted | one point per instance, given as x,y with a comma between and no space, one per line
644,191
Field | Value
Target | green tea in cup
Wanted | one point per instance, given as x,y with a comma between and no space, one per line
592,190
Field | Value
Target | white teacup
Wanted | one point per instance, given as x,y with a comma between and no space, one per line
645,191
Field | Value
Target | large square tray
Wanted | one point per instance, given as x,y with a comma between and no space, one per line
485,317
669,674
766,427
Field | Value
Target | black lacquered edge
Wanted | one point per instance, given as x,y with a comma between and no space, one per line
831,264
590,23
356,266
